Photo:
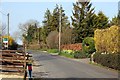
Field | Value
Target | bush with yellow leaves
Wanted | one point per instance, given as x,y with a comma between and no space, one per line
107,40
10,39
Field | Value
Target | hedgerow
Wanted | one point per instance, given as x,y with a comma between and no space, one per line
109,60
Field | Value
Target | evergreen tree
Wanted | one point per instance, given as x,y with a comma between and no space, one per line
56,19
47,22
46,25
30,34
64,20
51,21
114,21
81,20
119,17
102,20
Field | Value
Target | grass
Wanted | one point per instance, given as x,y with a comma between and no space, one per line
43,49
52,50
56,51
67,55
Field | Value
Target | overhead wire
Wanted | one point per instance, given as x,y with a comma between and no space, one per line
3,13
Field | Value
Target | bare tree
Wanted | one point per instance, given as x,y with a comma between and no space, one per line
52,40
67,36
16,35
2,32
25,26
2,28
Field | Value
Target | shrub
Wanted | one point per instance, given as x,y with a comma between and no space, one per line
107,40
68,51
14,46
88,46
74,47
108,60
52,40
79,54
10,40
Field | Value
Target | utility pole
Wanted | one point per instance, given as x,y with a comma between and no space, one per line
59,29
8,29
8,23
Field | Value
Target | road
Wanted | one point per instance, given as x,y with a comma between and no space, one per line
51,66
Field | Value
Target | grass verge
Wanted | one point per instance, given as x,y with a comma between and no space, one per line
67,55
52,50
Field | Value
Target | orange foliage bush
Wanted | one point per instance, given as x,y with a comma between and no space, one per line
75,47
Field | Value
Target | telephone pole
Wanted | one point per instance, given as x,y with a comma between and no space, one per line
8,30
8,23
59,29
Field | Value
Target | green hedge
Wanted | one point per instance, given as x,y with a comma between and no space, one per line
108,60
88,46
79,54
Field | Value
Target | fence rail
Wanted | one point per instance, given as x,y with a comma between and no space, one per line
14,61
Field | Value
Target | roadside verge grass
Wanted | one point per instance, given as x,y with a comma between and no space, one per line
52,50
69,55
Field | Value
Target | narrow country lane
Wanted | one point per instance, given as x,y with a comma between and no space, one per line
51,66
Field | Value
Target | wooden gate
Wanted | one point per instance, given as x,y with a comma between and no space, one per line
14,61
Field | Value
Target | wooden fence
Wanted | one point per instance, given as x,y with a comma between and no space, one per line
14,61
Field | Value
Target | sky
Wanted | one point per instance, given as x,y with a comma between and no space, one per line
22,11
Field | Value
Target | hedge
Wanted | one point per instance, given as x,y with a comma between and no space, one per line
107,40
88,46
79,54
108,60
